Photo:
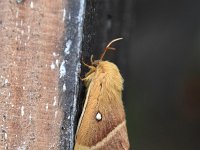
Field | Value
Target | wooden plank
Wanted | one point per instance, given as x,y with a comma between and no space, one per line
30,55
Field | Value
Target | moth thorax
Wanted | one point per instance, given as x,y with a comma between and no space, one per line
96,62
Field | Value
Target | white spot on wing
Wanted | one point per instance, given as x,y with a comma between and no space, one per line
98,116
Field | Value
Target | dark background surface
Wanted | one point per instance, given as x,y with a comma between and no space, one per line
160,61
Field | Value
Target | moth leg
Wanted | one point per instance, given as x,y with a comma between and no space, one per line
91,67
91,59
85,78
82,79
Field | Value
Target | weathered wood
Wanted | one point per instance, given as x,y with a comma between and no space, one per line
29,71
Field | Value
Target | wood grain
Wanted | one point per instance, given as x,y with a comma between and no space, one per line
29,48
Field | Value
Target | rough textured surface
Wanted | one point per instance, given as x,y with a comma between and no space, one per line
30,116
70,71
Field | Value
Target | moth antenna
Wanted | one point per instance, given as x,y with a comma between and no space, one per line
109,48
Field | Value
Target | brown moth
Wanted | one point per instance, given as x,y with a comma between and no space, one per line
102,125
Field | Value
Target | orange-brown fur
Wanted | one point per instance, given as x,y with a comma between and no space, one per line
105,85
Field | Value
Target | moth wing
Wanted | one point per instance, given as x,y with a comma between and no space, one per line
106,131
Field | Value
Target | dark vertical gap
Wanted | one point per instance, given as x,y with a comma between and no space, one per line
70,98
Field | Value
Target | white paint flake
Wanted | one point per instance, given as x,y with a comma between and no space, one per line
69,16
57,62
56,112
23,147
22,32
29,29
53,66
64,87
17,14
30,118
64,14
5,136
6,81
68,46
55,101
47,106
54,54
31,4
68,117
62,69
22,111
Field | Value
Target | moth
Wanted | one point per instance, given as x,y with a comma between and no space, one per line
102,124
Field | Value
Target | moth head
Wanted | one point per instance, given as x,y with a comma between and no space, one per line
94,63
